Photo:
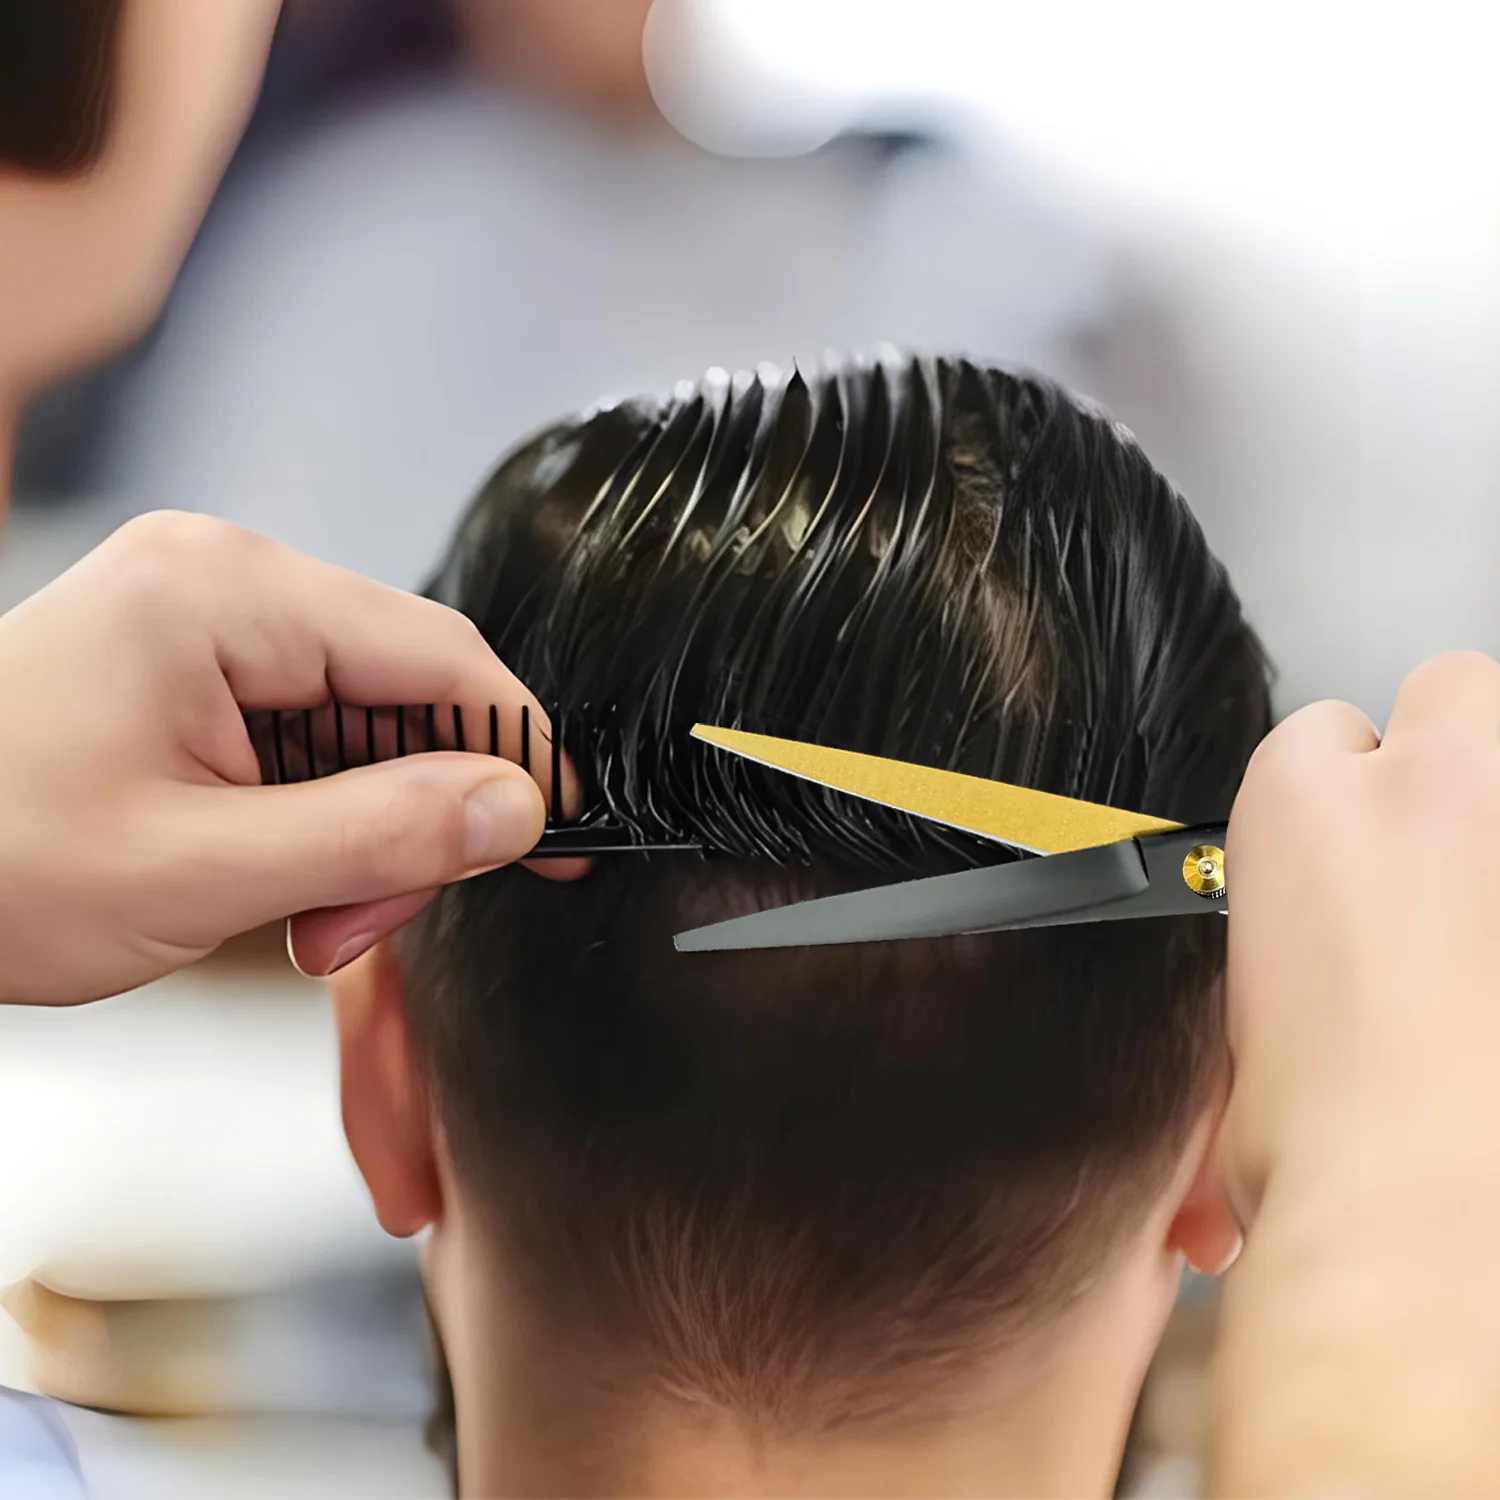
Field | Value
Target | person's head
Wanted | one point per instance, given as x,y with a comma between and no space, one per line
822,1195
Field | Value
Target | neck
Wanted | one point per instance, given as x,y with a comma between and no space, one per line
534,1418
1058,1438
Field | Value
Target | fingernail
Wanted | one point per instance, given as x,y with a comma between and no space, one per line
499,819
291,951
361,943
349,952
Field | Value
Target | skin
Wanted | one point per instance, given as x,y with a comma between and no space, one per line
1359,1352
86,262
1045,1417
585,51
139,837
85,265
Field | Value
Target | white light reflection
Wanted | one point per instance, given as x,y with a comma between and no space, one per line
1324,122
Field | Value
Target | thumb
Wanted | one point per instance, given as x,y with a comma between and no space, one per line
363,835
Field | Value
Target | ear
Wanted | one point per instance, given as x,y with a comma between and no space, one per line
387,1115
1204,1230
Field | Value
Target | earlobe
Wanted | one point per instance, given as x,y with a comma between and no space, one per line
387,1118
1204,1230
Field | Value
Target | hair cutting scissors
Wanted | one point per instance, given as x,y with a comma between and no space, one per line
1099,863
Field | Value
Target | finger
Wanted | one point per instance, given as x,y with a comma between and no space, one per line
301,744
1313,732
367,835
290,631
304,744
559,868
1320,728
1306,742
321,942
1454,694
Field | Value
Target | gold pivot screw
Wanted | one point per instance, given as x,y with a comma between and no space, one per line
1203,870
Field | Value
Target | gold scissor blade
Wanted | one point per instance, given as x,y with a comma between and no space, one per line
1040,822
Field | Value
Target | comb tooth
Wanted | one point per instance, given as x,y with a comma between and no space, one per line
557,770
312,754
431,728
280,749
494,730
369,736
400,731
338,736
525,738
458,728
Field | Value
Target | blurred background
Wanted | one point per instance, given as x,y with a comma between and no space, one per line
1267,239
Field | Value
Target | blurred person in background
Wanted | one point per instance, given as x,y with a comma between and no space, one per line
452,220
328,55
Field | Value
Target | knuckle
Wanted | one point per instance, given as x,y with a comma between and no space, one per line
466,630
168,561
1279,761
1453,677
166,531
183,543
468,638
1457,668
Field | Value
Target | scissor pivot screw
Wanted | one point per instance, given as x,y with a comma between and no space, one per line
1203,870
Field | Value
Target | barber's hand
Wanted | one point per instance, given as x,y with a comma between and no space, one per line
134,833
1364,943
1360,1337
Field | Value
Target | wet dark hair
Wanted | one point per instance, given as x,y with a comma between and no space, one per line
56,82
786,1181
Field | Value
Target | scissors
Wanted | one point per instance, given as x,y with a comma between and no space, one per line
1099,863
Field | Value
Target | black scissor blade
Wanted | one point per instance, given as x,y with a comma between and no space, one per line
1167,859
1014,895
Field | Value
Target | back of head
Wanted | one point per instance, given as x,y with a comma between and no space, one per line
784,1182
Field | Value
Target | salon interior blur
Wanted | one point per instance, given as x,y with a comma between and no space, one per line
1265,240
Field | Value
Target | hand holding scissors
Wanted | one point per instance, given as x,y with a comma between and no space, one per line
1360,1346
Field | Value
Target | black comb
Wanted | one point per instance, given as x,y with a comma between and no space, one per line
292,749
